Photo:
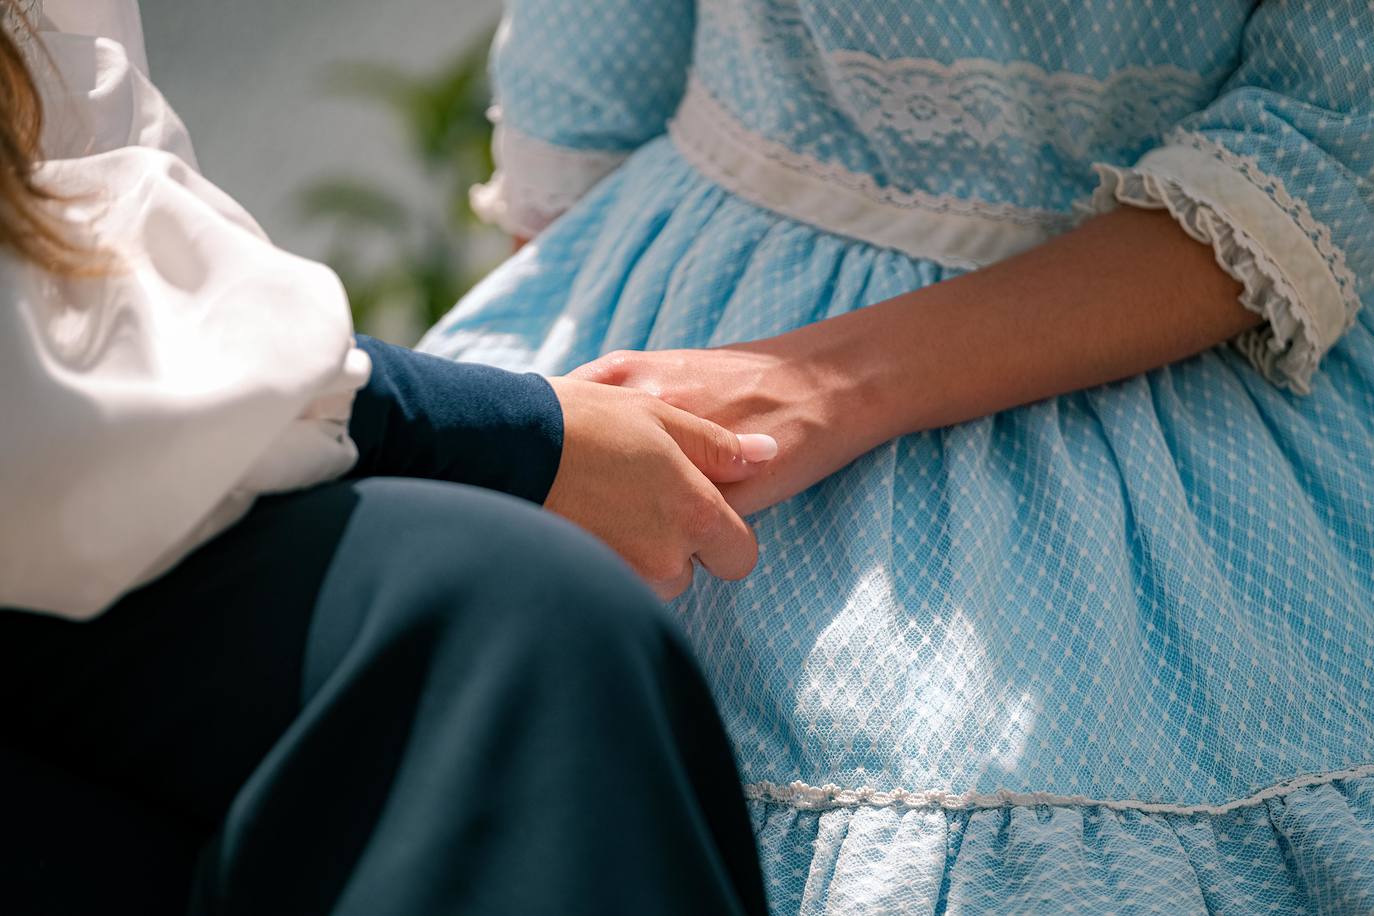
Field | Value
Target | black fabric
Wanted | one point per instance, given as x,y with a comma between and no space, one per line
72,846
382,697
420,416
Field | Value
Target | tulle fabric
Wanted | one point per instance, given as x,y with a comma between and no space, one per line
1157,592
1306,852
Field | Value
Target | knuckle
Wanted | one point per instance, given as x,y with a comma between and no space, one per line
662,567
727,445
708,446
606,367
716,453
700,516
618,360
591,371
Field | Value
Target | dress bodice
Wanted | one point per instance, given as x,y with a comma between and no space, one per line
985,105
965,131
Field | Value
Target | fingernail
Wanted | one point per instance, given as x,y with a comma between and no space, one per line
756,447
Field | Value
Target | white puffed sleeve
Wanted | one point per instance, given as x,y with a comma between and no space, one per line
115,20
94,80
144,410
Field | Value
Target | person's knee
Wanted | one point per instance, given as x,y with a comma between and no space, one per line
454,562
569,602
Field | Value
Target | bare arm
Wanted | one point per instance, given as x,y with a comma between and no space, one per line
1124,293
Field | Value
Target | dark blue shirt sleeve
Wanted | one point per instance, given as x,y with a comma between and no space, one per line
420,416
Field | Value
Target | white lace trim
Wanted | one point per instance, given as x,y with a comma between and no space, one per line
536,182
951,230
820,798
1304,309
924,100
1318,232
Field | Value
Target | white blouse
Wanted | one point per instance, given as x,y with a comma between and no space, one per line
144,411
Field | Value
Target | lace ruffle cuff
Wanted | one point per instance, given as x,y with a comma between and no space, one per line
1270,243
536,181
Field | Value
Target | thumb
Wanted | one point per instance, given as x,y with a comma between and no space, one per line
719,454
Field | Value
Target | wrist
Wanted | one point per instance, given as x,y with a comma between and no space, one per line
850,373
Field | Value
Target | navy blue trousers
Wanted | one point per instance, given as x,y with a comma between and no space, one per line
380,696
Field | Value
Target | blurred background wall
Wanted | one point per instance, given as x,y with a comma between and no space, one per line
349,128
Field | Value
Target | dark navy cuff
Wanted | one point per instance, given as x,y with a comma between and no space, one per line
421,416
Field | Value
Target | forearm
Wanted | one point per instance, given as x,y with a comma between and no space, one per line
420,416
1124,293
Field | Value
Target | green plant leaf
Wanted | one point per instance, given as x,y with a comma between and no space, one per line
425,266
352,202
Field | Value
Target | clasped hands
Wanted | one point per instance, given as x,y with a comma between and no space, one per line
653,465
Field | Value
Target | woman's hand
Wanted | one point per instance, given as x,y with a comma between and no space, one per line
1090,306
784,387
641,475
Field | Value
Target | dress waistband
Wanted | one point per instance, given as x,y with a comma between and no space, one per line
949,230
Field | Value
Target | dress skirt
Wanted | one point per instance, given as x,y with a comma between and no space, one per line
1112,650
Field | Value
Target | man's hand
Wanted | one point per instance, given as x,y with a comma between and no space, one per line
792,396
641,475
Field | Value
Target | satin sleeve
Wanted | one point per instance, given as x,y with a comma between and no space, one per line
97,94
116,20
146,407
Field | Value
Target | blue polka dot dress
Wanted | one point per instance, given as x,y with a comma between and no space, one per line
1108,653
